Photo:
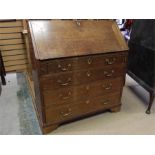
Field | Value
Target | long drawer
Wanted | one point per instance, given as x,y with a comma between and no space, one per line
79,63
62,80
72,94
63,113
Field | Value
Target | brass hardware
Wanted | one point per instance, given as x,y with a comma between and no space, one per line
107,87
64,84
64,68
108,74
65,97
88,74
105,102
110,61
89,61
78,23
66,113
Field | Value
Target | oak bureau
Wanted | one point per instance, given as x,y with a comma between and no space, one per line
78,69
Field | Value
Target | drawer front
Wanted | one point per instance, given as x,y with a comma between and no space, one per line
71,94
68,112
78,63
63,80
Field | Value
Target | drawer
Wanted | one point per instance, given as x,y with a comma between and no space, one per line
100,102
63,80
64,113
78,63
71,94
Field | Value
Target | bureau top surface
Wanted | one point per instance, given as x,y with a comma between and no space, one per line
66,38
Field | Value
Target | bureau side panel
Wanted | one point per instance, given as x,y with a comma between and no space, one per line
37,89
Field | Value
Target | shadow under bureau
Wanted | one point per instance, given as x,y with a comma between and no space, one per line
78,69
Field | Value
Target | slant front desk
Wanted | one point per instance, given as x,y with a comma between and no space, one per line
78,69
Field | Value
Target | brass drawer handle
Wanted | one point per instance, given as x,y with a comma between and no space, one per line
105,102
109,74
64,84
110,61
64,114
108,87
64,68
78,23
88,74
89,61
66,97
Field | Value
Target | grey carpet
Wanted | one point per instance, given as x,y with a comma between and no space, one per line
17,114
20,117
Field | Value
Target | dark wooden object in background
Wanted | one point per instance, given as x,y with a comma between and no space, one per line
78,68
2,72
141,63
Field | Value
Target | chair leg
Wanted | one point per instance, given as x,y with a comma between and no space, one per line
152,96
2,70
0,88
3,80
